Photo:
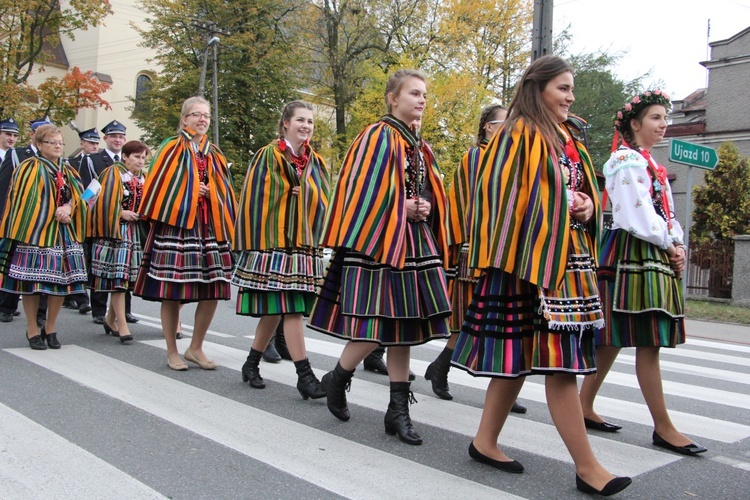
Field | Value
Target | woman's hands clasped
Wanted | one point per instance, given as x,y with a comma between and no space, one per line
129,216
418,209
583,207
677,259
62,214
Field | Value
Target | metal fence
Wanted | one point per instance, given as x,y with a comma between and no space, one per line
709,269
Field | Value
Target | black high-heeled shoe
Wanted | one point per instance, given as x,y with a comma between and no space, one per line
125,338
109,331
51,339
36,342
616,485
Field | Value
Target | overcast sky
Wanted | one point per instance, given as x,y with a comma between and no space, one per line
666,37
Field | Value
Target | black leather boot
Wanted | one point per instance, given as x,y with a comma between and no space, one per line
437,373
271,355
280,342
308,384
374,361
397,419
335,384
250,370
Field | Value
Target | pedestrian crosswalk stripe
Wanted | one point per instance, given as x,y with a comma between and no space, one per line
520,433
691,369
718,345
696,425
30,453
323,459
703,356
738,464
691,424
696,392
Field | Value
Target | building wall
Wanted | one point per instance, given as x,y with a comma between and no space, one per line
111,49
727,113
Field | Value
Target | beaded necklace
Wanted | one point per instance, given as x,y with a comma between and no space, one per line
201,162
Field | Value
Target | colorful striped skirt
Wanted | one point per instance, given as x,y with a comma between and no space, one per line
56,270
461,288
514,328
364,300
278,281
643,301
115,263
185,265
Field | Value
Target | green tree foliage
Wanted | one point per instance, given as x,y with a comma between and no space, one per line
258,68
599,94
29,30
344,39
488,39
722,203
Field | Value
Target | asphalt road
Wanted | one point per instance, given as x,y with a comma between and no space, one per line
97,419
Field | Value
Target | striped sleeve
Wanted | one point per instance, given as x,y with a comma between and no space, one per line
521,219
368,211
170,193
104,218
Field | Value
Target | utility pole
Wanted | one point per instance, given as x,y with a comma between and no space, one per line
215,84
541,35
213,42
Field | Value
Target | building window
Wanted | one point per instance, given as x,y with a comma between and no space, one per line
142,86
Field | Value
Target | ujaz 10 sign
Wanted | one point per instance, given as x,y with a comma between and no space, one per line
691,154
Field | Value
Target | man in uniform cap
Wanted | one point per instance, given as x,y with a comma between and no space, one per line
114,139
13,158
8,136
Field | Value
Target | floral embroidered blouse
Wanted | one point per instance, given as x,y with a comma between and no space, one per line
636,197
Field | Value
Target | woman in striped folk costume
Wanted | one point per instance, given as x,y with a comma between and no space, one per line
534,233
642,259
114,223
461,283
43,227
386,283
278,228
188,257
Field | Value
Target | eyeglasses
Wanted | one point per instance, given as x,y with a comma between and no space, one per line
195,114
495,122
54,143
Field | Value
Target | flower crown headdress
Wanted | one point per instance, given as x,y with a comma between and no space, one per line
639,102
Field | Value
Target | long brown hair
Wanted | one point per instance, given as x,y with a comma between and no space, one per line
527,101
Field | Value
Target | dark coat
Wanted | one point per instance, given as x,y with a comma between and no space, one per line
100,161
6,171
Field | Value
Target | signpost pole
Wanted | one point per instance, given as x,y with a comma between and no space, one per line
688,221
692,155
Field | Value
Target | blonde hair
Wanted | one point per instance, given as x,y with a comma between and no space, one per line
396,81
44,132
189,103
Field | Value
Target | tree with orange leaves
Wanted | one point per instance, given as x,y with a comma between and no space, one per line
29,31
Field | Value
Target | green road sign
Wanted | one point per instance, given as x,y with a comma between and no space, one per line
691,154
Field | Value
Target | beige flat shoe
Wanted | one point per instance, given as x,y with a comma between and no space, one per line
205,365
178,367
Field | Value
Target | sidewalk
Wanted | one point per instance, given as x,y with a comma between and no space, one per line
723,332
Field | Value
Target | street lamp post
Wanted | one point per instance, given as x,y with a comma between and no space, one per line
212,41
215,83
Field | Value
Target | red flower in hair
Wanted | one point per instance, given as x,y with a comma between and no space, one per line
282,145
